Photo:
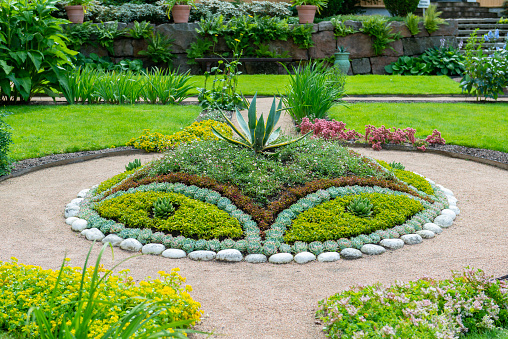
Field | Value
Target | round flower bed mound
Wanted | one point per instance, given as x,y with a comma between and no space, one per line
25,286
426,308
314,195
190,217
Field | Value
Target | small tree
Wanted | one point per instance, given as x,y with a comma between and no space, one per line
401,7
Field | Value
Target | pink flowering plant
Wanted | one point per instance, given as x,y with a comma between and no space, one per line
426,308
336,130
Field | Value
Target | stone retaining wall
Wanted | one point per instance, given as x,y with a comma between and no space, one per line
363,60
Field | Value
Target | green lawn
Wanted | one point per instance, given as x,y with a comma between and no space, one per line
43,130
467,124
355,85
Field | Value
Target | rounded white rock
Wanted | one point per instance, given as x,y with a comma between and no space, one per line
447,191
256,258
371,249
76,201
443,221
174,253
230,255
70,220
451,200
71,211
411,239
202,255
112,239
392,244
328,257
450,212
304,257
79,225
426,234
131,244
94,234
83,193
280,258
455,209
154,249
350,253
433,228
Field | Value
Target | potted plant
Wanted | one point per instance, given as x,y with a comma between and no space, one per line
76,10
180,10
342,59
307,9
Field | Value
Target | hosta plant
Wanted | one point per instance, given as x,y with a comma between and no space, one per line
255,134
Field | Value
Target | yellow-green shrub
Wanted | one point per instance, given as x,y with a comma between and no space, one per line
157,142
331,221
23,286
410,178
192,218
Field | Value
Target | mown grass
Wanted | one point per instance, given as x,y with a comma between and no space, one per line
355,85
493,334
466,124
43,130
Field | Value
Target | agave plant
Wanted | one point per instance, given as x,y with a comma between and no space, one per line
255,134
361,207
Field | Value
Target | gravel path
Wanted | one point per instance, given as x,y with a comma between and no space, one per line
265,301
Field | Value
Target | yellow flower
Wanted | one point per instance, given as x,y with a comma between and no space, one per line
237,40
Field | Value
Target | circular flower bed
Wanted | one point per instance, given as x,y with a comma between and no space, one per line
313,197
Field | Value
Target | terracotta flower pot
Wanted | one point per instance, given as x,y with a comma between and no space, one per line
76,14
181,13
306,13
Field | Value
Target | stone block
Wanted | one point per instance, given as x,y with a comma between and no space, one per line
452,29
123,48
89,49
361,66
401,28
183,34
423,32
325,26
294,51
394,49
356,25
138,45
324,45
378,63
416,46
359,45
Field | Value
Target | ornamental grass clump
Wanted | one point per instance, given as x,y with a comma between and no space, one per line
427,308
93,303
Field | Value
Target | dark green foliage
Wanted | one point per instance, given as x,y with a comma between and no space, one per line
159,48
401,7
32,46
360,206
133,165
434,61
163,208
192,218
330,220
107,33
141,30
337,7
397,165
198,49
5,141
381,32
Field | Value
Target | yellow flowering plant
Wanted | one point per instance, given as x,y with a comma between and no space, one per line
93,303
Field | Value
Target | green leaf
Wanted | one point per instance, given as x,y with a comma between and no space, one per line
252,115
7,69
259,134
243,125
36,58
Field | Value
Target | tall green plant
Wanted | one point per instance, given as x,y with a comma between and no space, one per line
381,32
255,134
312,91
5,141
411,20
165,87
31,44
76,320
431,19
159,48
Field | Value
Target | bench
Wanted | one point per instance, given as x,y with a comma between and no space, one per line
206,63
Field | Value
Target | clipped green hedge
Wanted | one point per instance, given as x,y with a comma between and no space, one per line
192,218
331,221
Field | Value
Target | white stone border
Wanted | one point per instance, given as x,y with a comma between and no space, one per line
429,231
